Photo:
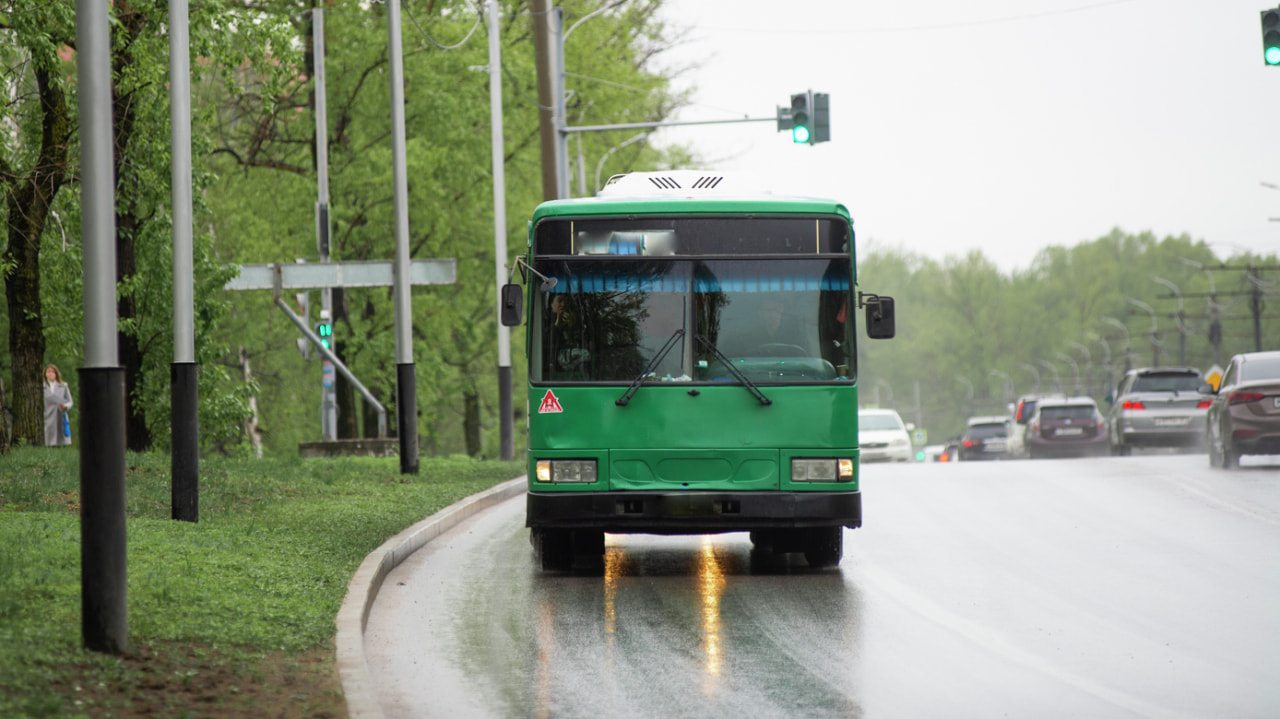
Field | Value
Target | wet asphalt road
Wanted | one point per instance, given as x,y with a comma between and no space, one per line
1145,586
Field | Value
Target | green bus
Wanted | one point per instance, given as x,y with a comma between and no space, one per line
692,366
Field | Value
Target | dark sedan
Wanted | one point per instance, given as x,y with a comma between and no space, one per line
1069,427
1245,415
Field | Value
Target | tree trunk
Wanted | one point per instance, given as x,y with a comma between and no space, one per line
251,422
29,199
128,226
471,422
344,392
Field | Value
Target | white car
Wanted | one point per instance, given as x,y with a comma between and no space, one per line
882,437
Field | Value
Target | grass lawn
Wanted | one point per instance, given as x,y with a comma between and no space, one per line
232,616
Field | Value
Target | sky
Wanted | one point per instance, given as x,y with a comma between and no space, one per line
1005,126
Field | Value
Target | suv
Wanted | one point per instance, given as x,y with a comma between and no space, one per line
1157,407
985,438
1022,411
1067,426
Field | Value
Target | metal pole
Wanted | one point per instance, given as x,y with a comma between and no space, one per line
556,28
328,398
103,586
183,373
406,381
505,409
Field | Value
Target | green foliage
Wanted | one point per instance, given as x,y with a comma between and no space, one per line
962,322
265,197
265,568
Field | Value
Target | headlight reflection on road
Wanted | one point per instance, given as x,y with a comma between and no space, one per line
710,586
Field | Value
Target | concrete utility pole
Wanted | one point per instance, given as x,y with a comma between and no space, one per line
547,131
103,587
184,372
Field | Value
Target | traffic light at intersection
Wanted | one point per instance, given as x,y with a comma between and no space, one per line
808,118
801,121
324,328
1271,36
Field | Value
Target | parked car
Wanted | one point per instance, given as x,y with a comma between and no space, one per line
984,438
1023,408
1244,417
1157,407
1066,427
883,437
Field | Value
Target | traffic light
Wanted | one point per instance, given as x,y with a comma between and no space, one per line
808,118
324,328
801,119
820,106
1271,36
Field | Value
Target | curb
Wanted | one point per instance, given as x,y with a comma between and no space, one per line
353,616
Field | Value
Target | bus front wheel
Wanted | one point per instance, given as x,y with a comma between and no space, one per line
553,549
824,547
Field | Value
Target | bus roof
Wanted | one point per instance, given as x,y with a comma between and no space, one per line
686,192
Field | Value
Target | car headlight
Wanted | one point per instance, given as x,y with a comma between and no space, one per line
899,442
822,470
579,471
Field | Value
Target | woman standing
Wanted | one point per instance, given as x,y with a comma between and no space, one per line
57,400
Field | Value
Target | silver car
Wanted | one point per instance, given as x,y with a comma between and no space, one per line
1157,407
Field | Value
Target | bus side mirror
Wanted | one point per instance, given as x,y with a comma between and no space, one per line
512,305
880,325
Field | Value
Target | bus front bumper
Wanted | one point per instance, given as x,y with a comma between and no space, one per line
692,512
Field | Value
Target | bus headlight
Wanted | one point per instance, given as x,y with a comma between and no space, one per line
581,471
822,470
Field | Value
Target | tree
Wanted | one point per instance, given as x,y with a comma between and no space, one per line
39,73
33,168
265,150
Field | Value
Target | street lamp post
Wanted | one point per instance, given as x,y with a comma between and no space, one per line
1106,359
1057,379
1035,374
1155,331
1088,363
1008,384
1182,320
1075,369
965,381
1128,350
1215,326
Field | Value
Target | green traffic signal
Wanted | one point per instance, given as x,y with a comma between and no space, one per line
1271,36
801,126
325,331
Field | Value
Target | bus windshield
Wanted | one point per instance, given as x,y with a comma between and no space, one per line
778,319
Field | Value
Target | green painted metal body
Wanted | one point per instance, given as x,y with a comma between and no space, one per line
717,441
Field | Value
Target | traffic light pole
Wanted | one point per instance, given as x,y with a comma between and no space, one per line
328,403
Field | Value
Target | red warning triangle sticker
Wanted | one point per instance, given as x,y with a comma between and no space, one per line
550,404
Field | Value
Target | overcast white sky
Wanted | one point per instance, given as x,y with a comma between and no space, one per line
1000,125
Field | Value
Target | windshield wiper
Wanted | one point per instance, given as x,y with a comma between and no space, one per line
648,369
737,373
